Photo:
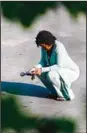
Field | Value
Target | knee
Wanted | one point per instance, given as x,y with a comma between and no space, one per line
52,75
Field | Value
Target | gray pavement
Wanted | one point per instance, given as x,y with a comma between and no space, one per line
19,53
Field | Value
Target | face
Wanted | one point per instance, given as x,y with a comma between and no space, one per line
46,47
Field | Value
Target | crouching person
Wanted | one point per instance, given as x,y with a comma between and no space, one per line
56,69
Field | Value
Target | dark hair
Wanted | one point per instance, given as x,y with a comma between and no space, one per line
45,37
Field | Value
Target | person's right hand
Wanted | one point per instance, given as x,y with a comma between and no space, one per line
33,70
36,71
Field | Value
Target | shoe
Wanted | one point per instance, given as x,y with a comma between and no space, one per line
50,96
60,99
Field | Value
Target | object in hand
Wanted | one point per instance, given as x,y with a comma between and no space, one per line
22,74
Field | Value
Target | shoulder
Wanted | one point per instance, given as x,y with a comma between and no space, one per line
58,43
60,47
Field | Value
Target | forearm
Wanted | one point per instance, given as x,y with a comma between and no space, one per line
54,68
47,69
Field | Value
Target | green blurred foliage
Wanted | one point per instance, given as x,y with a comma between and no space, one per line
26,11
75,7
13,118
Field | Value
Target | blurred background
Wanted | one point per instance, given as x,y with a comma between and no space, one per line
20,23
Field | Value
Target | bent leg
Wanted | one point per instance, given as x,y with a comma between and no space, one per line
47,83
54,77
52,81
60,86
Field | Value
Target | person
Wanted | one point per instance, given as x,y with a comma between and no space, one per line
56,69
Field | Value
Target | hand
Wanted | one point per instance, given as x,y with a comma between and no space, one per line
32,71
36,71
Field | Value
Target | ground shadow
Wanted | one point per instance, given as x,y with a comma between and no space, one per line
24,89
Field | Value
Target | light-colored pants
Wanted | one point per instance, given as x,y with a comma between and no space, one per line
52,81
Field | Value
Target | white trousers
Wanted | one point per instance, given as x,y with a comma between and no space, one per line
52,81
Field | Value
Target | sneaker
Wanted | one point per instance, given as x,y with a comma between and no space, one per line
55,97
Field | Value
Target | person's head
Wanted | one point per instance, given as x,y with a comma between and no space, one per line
45,39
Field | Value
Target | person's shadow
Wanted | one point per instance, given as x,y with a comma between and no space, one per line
24,89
